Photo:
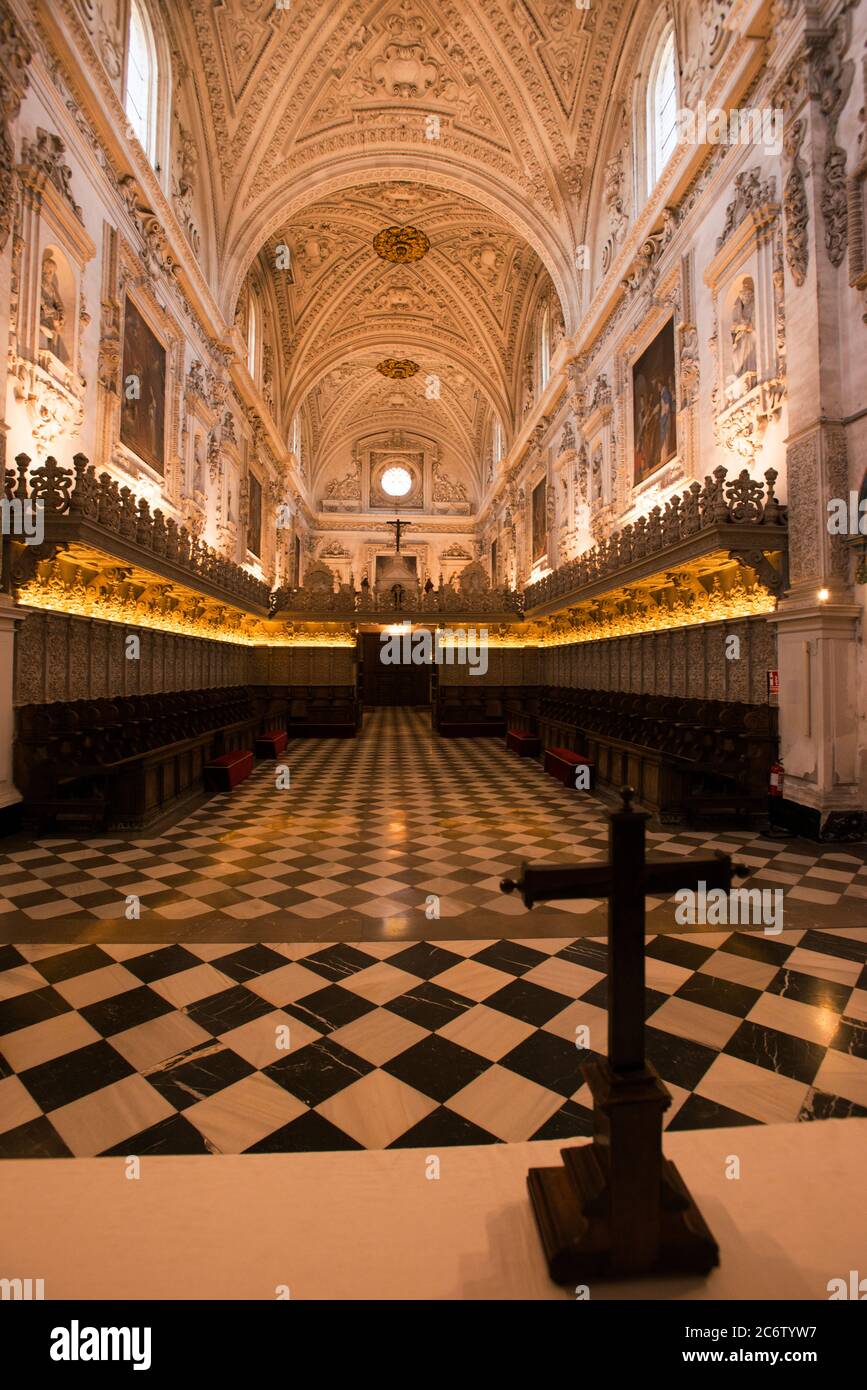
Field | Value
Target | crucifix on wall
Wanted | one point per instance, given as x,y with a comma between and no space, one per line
398,527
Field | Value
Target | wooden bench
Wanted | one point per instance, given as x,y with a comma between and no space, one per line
562,762
526,745
223,774
271,744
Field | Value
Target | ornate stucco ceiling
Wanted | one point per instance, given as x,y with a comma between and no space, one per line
456,312
326,123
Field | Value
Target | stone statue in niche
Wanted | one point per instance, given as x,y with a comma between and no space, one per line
52,316
743,336
198,464
596,476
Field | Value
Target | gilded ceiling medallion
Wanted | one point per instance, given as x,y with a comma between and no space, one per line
401,244
398,368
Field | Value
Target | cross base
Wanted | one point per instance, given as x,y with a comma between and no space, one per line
618,1209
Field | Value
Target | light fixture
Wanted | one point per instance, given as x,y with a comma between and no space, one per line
396,482
823,595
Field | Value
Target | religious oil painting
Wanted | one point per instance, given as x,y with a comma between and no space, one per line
143,406
539,520
653,405
254,522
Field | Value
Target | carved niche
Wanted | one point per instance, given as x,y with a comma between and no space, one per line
50,252
748,338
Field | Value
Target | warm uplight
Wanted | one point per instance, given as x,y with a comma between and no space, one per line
823,595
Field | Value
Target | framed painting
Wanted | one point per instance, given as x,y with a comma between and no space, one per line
654,418
539,515
143,398
254,520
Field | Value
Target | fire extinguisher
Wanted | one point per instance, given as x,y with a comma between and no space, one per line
775,784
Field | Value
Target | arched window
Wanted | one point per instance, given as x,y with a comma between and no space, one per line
661,107
252,335
497,442
295,443
545,349
142,80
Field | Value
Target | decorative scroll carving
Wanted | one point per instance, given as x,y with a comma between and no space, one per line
753,195
15,58
795,206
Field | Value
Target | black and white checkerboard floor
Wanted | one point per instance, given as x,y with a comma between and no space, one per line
140,1049
369,832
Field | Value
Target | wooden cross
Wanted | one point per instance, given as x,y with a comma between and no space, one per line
398,527
618,1207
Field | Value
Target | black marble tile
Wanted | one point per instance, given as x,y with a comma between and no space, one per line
510,956
851,1037
36,1139
69,964
443,1127
429,1005
198,1074
318,1071
678,1060
776,1051
697,1112
821,1106
75,1074
173,1135
437,1067
10,958
716,993
529,1002
828,944
425,960
125,1010
337,962
160,964
310,1133
329,1008
249,962
571,1121
757,946
678,952
35,1006
598,996
809,989
219,1013
593,955
550,1061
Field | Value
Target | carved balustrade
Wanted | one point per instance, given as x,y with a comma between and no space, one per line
77,503
741,514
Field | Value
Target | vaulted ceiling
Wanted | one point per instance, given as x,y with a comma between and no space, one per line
455,313
326,122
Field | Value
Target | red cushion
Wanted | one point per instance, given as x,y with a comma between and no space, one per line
520,741
230,759
230,769
272,743
567,756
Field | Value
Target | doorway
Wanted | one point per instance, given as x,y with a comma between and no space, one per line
403,683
